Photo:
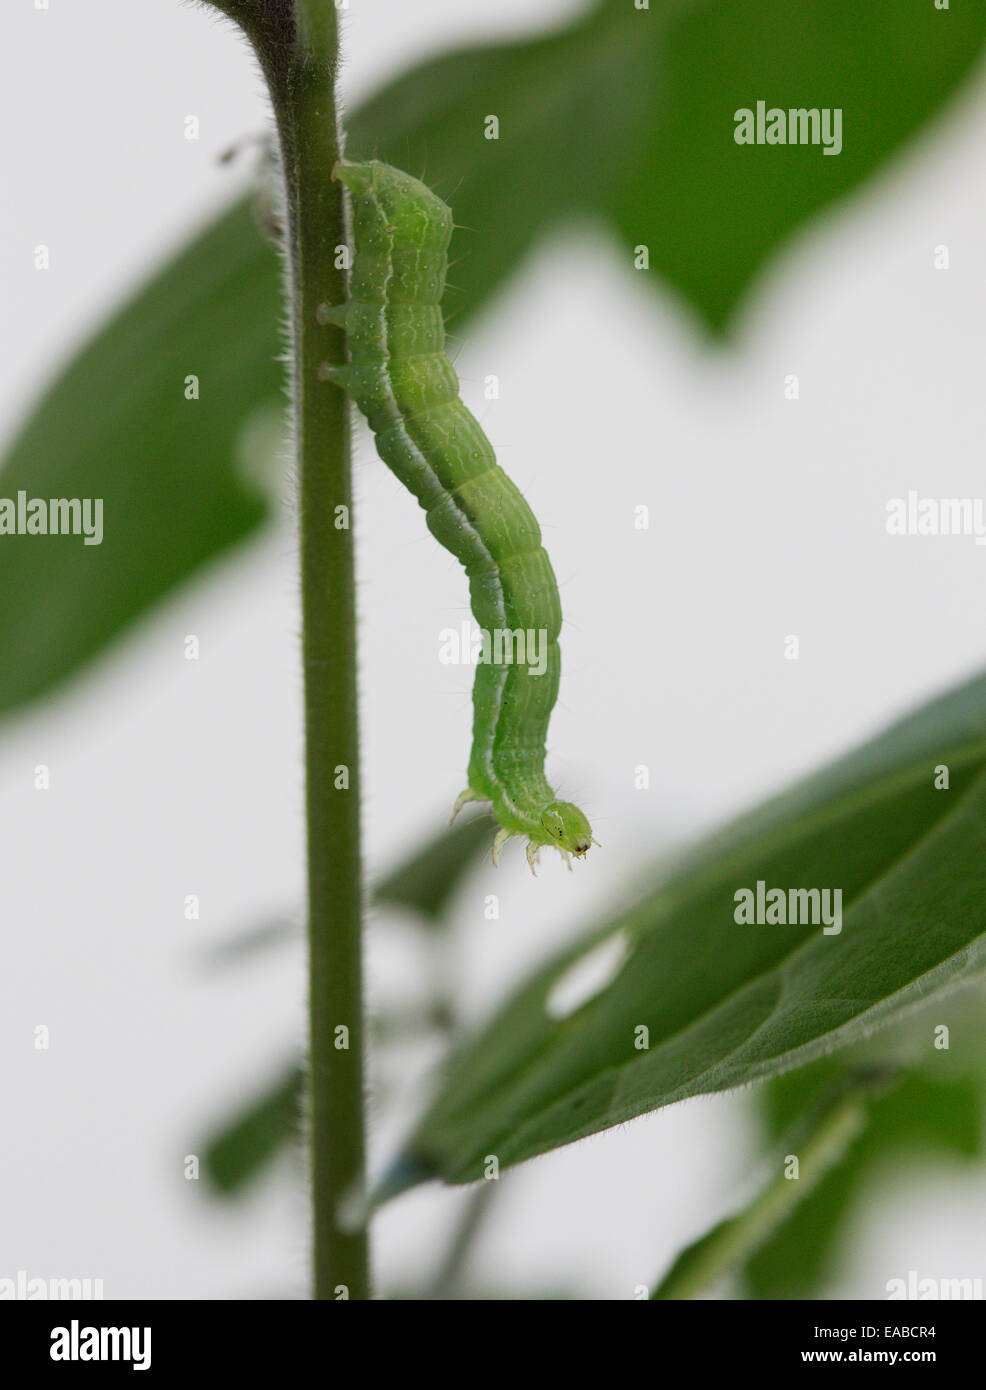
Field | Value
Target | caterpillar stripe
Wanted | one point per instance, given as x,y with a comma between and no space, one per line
408,390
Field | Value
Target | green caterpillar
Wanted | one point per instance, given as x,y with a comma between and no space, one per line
408,390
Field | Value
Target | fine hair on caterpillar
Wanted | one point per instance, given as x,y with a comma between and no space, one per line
400,376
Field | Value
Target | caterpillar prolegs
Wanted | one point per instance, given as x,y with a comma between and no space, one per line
408,390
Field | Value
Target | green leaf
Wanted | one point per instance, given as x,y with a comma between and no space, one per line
624,117
426,881
820,1144
627,116
726,1003
117,426
934,1119
252,1139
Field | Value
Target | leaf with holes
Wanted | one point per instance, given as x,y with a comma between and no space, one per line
702,1001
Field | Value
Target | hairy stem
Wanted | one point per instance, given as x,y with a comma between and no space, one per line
299,54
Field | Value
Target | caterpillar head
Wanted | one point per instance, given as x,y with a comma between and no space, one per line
566,828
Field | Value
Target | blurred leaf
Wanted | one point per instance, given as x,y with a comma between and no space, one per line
624,116
116,425
422,883
481,1294
254,941
819,1143
724,1003
253,1138
250,1142
627,115
924,1118
426,881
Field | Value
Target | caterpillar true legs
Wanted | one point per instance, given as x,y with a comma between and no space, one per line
407,388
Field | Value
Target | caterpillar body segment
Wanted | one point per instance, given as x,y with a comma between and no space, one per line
403,382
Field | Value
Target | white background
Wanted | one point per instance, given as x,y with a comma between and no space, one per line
172,777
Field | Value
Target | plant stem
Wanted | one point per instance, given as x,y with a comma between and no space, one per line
302,83
449,1273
